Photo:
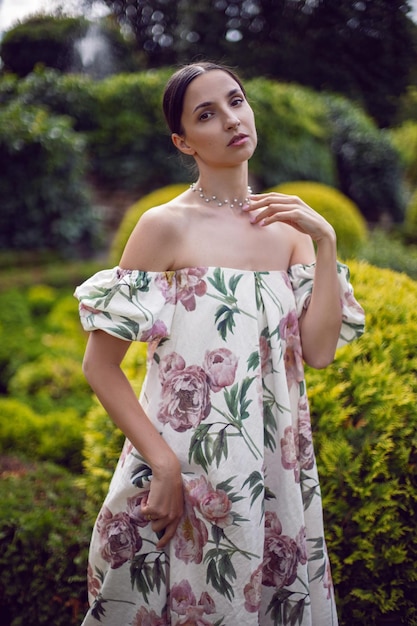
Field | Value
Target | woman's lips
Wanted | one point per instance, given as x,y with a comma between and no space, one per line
238,140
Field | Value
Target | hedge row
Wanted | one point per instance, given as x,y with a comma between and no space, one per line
303,135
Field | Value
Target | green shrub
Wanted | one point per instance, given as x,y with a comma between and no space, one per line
368,166
45,203
336,208
293,137
364,411
55,436
404,138
132,215
131,140
44,536
410,222
388,250
73,95
41,39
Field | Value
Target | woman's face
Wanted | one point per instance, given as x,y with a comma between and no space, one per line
218,123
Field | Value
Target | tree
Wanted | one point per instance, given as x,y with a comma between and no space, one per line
364,49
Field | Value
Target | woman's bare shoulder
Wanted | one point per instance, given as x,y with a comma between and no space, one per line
155,238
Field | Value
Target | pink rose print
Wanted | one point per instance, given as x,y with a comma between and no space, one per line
293,357
305,437
183,602
185,398
94,584
352,303
134,509
289,452
297,446
190,537
119,537
170,363
252,591
213,504
265,352
156,333
327,580
126,450
148,618
301,541
220,366
189,284
280,557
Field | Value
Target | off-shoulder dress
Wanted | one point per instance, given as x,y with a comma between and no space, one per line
225,387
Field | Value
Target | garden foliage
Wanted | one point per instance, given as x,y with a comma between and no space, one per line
44,538
364,411
45,202
303,135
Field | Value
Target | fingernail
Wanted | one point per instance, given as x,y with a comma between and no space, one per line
245,207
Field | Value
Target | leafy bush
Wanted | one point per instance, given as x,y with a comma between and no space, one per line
410,222
404,138
62,94
132,215
336,208
293,137
368,166
41,39
50,208
44,537
387,250
364,411
131,141
55,436
54,42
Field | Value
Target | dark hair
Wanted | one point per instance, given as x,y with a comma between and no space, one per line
177,85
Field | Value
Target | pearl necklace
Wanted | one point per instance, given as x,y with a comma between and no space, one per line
220,203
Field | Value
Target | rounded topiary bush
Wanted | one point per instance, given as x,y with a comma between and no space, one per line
132,215
364,411
336,208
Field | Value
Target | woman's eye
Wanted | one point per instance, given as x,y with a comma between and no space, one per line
237,102
205,116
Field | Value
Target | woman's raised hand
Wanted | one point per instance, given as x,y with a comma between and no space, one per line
267,208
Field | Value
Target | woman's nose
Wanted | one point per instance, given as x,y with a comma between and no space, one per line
232,122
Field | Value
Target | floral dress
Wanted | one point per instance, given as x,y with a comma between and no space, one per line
225,388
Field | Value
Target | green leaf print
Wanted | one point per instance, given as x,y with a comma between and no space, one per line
97,609
225,314
256,483
285,609
219,571
147,575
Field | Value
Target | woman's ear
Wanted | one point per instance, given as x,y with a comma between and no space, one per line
180,143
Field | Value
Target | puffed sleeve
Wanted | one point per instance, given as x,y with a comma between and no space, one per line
129,304
353,315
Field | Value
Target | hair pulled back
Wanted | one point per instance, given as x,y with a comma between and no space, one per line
176,87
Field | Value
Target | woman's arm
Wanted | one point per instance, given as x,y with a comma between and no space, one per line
321,322
102,368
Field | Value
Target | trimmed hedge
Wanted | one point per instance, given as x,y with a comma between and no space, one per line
303,135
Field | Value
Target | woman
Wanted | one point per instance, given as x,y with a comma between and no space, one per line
214,515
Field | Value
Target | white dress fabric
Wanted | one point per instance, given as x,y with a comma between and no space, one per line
225,387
